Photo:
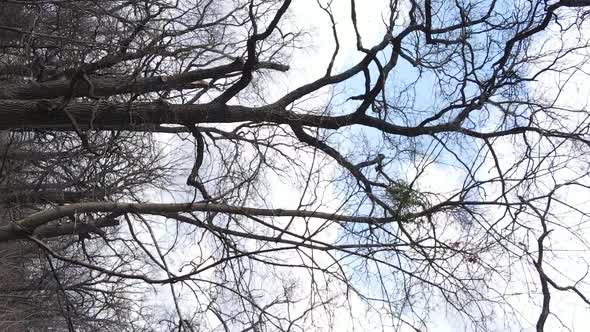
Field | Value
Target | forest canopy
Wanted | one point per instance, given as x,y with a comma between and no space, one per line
269,165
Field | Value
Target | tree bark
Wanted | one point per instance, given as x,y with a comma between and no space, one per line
102,115
71,228
110,86
53,196
29,224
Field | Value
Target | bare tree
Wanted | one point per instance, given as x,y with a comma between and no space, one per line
375,221
46,169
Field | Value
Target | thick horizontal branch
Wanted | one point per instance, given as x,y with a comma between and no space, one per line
102,115
110,86
62,229
72,228
34,155
15,69
36,220
46,196
145,116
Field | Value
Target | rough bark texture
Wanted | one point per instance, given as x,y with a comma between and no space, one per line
109,86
